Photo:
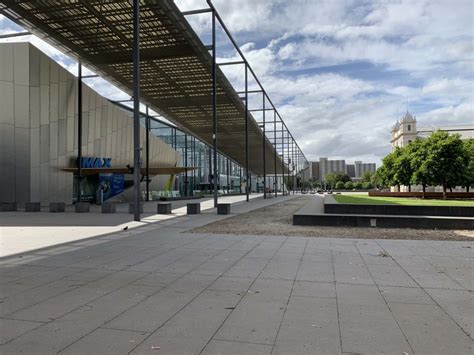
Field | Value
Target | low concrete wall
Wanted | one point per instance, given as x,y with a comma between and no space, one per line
453,211
381,221
438,195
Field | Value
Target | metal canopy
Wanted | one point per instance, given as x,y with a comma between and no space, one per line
176,67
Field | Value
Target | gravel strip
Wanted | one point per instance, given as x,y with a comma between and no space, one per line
277,219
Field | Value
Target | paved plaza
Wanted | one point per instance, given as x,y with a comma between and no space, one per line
159,289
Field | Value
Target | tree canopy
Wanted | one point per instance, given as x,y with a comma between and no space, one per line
438,160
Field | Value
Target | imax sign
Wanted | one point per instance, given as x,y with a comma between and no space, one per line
96,162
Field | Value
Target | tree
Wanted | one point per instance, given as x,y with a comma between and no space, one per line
447,160
330,179
349,185
402,167
368,186
468,179
367,176
342,177
418,154
339,185
387,171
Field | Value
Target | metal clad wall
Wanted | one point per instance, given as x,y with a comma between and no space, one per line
38,128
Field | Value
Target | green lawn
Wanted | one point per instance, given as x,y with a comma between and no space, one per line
365,199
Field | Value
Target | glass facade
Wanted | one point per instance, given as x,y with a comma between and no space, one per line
195,153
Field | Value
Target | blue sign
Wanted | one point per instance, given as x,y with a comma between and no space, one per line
87,162
111,184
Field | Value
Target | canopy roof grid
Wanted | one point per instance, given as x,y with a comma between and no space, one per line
176,68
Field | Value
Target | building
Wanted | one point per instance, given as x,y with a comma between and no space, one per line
39,141
407,130
319,169
361,168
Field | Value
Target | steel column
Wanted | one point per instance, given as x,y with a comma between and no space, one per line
147,156
214,103
186,182
79,132
283,158
247,179
136,108
276,152
264,153
228,171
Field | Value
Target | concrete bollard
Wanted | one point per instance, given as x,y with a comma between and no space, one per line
32,207
163,208
82,207
109,207
8,206
131,207
223,208
57,207
194,208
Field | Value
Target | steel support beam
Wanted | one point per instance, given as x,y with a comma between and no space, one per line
283,159
147,156
136,109
186,182
214,103
247,179
264,152
275,185
79,132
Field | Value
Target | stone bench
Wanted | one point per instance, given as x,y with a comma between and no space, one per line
109,207
82,207
8,206
131,207
57,207
32,207
163,208
194,208
223,208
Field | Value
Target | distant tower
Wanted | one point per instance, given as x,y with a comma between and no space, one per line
404,131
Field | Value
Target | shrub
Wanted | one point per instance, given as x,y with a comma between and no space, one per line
349,185
368,186
339,185
359,186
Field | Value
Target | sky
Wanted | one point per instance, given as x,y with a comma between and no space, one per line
340,70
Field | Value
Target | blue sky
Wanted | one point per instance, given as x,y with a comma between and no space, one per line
339,70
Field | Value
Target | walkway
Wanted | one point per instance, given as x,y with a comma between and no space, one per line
160,290
20,231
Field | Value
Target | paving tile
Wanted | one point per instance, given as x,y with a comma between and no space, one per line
314,289
315,271
59,305
157,309
11,328
219,347
310,326
237,284
257,318
247,267
390,275
366,329
36,295
106,341
430,331
189,331
355,274
60,333
458,304
394,294
432,278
